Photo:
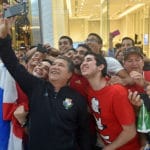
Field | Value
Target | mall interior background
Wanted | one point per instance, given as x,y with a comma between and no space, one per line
47,20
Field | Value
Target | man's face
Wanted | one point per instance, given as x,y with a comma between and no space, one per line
134,63
70,54
89,67
20,54
59,71
41,70
36,58
64,45
93,42
127,43
79,56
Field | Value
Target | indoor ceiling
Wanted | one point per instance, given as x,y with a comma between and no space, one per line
91,9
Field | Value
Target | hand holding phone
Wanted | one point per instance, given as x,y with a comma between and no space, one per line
19,9
115,33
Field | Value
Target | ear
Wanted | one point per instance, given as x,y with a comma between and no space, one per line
101,67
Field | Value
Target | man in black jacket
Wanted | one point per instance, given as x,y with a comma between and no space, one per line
58,114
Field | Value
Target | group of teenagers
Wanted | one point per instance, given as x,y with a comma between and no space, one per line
77,99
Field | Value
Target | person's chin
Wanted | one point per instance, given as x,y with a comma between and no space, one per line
84,74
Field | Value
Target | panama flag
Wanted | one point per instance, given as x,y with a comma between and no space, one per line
10,138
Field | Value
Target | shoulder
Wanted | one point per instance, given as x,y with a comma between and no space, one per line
72,93
118,89
111,60
113,65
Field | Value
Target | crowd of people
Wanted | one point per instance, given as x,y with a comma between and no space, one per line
76,99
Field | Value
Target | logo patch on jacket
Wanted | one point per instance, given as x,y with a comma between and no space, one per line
67,103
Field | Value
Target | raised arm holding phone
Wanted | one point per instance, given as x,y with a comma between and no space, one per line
58,114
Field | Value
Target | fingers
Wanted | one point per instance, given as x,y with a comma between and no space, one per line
20,110
134,98
115,80
136,75
20,114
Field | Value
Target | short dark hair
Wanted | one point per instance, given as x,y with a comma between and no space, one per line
128,38
67,37
100,40
99,61
71,49
69,62
118,45
47,60
85,46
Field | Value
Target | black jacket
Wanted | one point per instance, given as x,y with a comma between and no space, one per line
58,121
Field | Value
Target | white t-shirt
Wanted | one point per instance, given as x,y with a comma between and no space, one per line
113,66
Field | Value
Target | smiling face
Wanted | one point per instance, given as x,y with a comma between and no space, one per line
64,45
41,70
126,43
59,72
79,55
89,67
36,58
94,43
70,54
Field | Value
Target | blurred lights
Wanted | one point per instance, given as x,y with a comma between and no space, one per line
69,7
131,9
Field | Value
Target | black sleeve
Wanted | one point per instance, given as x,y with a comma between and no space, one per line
83,130
146,100
18,71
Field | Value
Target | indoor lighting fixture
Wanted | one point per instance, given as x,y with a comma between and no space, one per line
69,7
129,10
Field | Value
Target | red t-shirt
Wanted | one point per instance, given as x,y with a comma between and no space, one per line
112,109
79,83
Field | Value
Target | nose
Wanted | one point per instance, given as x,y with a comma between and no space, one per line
134,63
83,62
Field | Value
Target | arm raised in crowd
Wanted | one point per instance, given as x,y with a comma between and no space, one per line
8,57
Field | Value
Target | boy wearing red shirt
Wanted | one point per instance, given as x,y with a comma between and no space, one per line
110,106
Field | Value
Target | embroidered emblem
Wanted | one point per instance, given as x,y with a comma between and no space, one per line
67,103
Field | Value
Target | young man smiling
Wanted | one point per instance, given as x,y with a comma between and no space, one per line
110,106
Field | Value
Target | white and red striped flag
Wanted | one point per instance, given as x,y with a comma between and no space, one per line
12,133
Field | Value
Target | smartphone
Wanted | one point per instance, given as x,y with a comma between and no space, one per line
19,9
115,33
41,48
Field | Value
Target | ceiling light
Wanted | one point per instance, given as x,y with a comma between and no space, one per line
129,10
69,7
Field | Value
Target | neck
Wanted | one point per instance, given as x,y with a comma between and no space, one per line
97,83
77,71
57,85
